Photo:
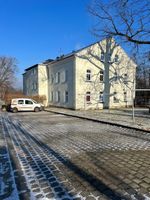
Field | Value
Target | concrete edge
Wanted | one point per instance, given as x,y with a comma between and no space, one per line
101,121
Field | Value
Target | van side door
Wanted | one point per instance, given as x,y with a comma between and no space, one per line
20,104
29,105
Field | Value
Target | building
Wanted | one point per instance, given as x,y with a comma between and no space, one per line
98,76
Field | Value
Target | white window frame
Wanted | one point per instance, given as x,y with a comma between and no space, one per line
101,75
88,75
57,77
101,97
109,58
125,96
125,77
66,96
102,56
115,76
57,96
116,58
88,94
64,76
115,99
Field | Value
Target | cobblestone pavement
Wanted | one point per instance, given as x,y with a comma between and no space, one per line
120,117
52,156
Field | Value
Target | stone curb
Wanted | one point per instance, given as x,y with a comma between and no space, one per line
101,121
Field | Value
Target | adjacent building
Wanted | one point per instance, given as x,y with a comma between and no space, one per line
95,77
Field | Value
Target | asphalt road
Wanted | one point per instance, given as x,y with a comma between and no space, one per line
52,156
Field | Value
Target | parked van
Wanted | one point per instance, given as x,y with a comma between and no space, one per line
22,104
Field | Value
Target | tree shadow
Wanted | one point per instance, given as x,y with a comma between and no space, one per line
119,74
92,180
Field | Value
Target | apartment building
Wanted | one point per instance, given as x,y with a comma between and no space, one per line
95,77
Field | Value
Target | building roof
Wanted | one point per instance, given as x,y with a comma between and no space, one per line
31,67
62,57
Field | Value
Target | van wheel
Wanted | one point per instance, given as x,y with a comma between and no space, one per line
15,110
36,109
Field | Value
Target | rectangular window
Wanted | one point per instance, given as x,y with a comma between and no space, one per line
88,75
57,77
125,78
101,97
125,96
101,77
115,76
63,76
28,102
116,59
109,57
20,101
51,96
66,97
57,96
35,86
88,97
115,99
102,58
34,71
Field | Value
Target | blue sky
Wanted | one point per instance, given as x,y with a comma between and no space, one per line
35,30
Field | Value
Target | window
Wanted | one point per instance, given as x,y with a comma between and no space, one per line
34,71
20,101
57,96
102,56
125,78
88,75
109,57
32,86
101,77
64,76
88,97
116,59
115,76
125,96
101,99
35,86
52,79
66,96
115,99
28,102
51,96
57,77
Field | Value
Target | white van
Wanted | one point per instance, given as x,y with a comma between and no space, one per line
22,104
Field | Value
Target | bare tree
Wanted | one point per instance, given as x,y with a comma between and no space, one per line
126,19
8,67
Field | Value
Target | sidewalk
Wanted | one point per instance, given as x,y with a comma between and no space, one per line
113,117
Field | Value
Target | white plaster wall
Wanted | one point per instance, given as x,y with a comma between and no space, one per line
89,58
61,66
30,77
43,81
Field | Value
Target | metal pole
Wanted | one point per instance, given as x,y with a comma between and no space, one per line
133,91
133,111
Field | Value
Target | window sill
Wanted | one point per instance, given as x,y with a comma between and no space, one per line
88,102
88,81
